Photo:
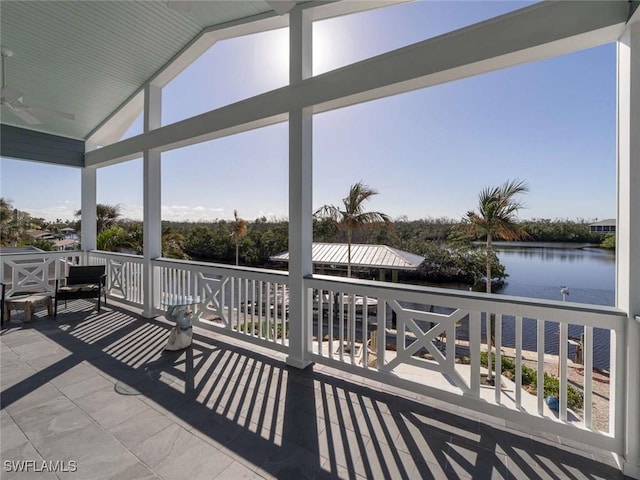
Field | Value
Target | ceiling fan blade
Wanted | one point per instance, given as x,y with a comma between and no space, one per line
26,116
183,6
48,112
281,7
10,94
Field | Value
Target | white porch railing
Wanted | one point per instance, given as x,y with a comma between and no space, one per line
424,353
124,275
248,303
36,272
425,340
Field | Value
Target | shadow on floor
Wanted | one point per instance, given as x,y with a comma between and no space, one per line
274,420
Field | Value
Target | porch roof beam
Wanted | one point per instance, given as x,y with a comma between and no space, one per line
540,31
115,125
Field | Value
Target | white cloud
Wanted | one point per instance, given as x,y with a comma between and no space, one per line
193,214
51,214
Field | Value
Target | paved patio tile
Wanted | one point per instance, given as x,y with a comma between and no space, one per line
251,450
223,410
98,454
73,374
14,335
471,463
52,360
9,357
42,394
292,462
15,374
137,471
36,349
10,434
18,469
80,389
237,471
109,408
140,427
53,424
176,453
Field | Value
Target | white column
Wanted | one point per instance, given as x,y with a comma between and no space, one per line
88,222
628,234
300,195
152,226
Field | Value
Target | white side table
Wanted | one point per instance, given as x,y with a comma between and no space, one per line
180,311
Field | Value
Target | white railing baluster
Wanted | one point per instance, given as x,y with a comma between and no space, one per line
474,351
352,328
381,331
498,364
245,304
562,367
274,333
276,310
450,345
231,302
540,340
260,308
365,331
320,320
617,392
587,354
267,311
341,326
518,362
401,341
330,318
253,308
283,314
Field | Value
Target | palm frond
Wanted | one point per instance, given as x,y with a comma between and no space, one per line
328,211
497,211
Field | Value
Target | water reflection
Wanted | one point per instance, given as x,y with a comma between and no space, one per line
540,272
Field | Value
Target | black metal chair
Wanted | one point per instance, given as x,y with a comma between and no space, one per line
2,288
87,281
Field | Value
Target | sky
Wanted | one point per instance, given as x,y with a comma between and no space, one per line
428,153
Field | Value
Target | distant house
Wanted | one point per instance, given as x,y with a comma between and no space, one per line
67,244
604,226
41,234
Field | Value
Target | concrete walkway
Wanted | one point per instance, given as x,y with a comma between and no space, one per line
93,396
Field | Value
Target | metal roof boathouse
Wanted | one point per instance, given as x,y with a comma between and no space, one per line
381,257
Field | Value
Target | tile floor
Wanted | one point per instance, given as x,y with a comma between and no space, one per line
96,393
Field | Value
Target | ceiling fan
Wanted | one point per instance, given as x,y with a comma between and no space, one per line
11,98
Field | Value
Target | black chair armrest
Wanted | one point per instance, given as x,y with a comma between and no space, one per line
2,287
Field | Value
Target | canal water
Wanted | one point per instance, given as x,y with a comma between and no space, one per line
540,270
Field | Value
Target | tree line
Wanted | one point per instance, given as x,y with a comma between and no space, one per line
444,242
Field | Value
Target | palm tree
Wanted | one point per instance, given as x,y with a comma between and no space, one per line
106,215
496,218
10,231
353,217
238,231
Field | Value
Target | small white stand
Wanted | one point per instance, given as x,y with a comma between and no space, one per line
180,312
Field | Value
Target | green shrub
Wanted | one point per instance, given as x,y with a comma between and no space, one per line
261,329
575,399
